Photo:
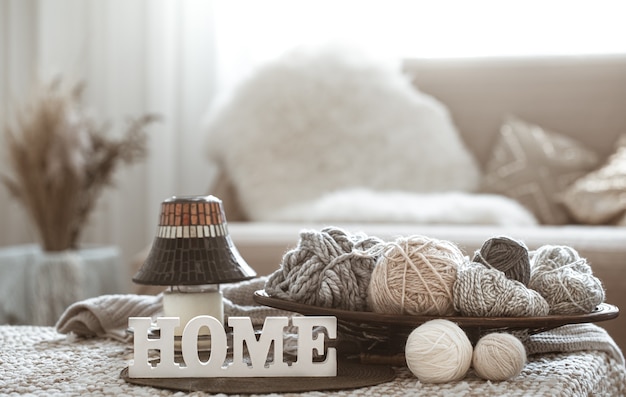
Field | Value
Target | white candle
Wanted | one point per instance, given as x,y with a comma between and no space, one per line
187,302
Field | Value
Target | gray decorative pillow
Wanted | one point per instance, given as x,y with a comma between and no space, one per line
600,196
533,165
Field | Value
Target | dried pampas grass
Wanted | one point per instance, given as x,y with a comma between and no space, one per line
61,160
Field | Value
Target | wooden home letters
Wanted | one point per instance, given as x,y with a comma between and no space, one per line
243,333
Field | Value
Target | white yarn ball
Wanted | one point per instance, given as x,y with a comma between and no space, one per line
499,356
438,351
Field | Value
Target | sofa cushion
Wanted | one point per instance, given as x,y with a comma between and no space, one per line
600,196
315,121
533,165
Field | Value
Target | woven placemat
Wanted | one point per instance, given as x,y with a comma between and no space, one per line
350,375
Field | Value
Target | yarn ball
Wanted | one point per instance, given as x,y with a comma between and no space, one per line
438,351
498,356
415,275
328,268
507,255
483,292
565,280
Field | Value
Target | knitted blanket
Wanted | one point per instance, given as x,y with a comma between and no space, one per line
107,315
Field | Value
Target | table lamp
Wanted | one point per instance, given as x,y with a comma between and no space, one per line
193,254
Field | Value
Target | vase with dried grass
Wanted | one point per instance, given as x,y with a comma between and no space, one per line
61,159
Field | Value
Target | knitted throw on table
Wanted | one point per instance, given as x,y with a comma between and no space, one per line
107,315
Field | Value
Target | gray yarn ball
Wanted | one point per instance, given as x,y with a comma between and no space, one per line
480,291
507,255
329,268
565,280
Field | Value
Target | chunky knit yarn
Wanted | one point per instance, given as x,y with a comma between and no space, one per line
565,280
329,268
484,292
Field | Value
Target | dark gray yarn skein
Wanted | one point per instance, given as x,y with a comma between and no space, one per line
507,255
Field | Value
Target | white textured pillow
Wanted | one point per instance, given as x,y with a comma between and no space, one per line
316,121
362,205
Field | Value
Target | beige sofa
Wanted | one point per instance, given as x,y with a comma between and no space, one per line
583,97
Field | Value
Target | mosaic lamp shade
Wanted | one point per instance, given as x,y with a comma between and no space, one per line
192,246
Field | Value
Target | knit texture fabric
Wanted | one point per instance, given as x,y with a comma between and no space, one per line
39,361
107,315
573,338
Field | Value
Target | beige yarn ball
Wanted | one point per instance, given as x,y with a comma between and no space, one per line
415,275
438,351
499,356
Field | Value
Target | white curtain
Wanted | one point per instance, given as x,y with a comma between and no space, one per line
136,56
